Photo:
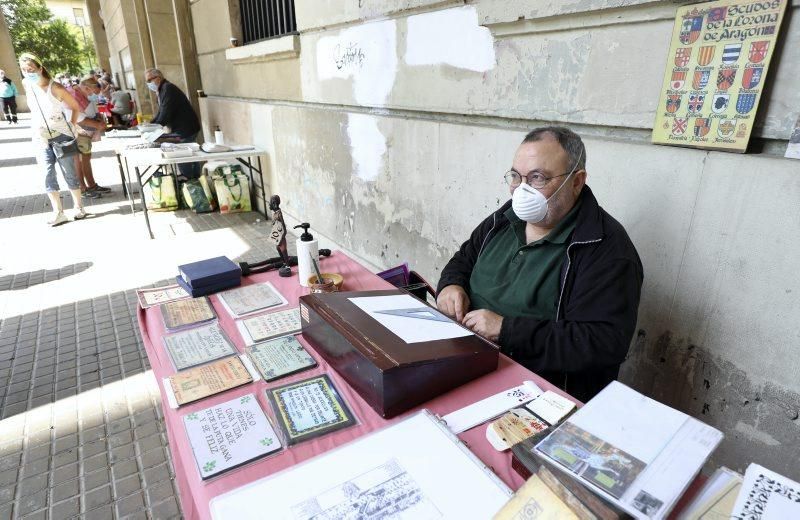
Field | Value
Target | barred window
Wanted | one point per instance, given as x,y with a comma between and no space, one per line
263,19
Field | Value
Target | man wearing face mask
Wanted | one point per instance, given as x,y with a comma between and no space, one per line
176,112
550,276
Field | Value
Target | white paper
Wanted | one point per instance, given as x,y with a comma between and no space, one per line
229,434
150,297
551,407
643,434
410,330
769,493
412,469
489,408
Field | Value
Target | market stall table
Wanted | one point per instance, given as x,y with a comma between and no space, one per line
195,493
146,162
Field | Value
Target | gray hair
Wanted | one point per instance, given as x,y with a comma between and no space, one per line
154,72
569,141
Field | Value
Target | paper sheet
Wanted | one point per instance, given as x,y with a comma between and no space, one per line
407,328
412,469
472,415
767,495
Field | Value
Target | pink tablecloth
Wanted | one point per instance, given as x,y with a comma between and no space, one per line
196,494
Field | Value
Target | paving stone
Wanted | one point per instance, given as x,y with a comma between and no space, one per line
69,508
122,453
157,474
7,493
39,451
159,491
38,515
90,449
65,490
153,458
130,504
149,443
34,484
36,467
165,510
102,513
88,435
94,463
96,479
127,486
65,457
124,469
10,462
96,498
32,503
64,473
11,447
6,511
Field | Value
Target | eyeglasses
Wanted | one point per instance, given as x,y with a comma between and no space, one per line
533,179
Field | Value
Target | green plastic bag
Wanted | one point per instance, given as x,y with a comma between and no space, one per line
159,193
197,195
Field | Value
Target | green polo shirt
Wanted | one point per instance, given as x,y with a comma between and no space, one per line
513,278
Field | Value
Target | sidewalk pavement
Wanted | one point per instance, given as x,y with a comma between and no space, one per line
81,427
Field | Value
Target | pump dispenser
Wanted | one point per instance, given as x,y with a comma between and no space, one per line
307,248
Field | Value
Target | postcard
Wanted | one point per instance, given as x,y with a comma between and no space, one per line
196,346
248,299
184,313
213,378
150,297
228,435
280,357
600,463
267,326
309,408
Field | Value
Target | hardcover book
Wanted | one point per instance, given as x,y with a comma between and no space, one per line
392,348
208,289
209,272
199,382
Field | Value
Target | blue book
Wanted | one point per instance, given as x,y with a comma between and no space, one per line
208,289
210,272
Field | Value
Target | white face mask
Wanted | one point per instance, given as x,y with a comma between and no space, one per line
530,205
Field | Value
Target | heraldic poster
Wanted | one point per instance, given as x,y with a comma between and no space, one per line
716,68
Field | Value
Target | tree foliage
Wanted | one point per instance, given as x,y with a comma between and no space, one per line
34,29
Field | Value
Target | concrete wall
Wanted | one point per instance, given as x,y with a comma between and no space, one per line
98,31
391,129
158,34
9,64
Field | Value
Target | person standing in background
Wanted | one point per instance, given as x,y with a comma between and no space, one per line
54,123
8,98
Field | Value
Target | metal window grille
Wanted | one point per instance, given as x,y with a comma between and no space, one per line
263,19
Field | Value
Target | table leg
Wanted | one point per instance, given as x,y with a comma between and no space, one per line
144,203
122,176
263,188
130,192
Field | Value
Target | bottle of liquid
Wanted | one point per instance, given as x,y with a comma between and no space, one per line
218,138
307,248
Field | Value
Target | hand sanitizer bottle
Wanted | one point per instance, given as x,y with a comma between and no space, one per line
218,138
307,248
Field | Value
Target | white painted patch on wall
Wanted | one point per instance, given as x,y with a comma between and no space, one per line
754,434
367,53
451,37
367,145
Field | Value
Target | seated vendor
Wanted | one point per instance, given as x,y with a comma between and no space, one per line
175,112
550,276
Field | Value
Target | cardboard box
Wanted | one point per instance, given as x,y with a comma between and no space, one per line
391,375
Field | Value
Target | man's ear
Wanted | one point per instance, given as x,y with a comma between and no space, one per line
578,181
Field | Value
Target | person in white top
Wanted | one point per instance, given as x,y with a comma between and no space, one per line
54,118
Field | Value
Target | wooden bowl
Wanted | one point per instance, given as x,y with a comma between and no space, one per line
337,279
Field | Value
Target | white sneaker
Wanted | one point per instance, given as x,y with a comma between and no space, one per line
59,219
79,214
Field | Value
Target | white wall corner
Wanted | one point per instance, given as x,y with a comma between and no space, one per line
282,48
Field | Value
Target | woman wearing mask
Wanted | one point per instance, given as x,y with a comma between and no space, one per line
8,98
54,118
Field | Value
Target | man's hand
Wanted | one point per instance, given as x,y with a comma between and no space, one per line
453,301
483,322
